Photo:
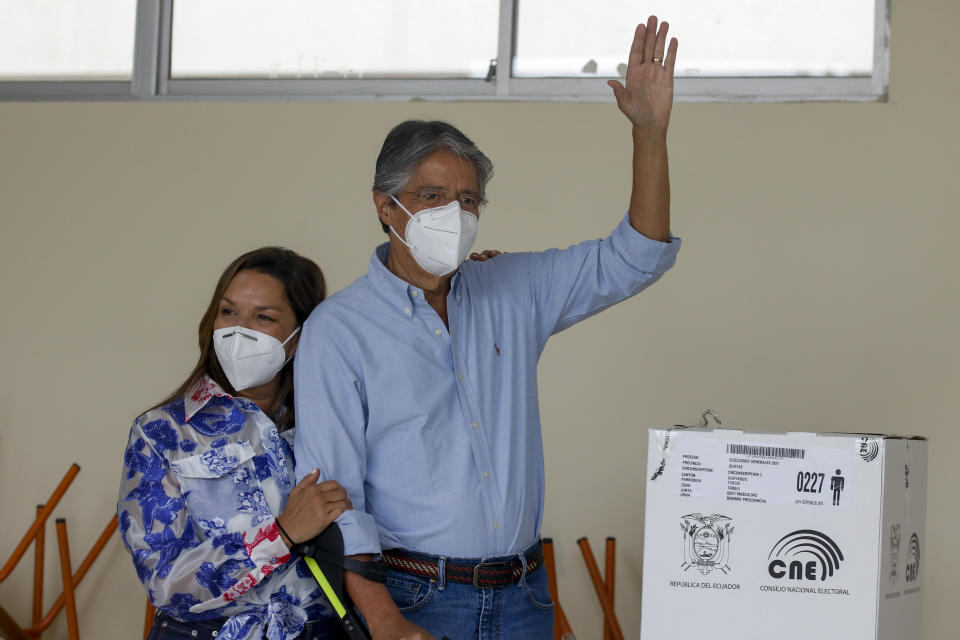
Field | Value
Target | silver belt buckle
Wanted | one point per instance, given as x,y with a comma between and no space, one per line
482,565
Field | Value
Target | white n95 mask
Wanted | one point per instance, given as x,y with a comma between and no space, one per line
249,358
439,237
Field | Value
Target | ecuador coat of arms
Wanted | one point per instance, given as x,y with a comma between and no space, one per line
706,542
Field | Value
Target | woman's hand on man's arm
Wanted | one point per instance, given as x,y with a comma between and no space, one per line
311,508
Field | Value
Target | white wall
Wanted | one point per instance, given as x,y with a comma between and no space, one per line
816,288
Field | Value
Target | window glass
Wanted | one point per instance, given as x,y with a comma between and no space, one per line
355,39
564,38
67,39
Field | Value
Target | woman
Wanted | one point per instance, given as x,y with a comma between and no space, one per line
207,504
207,498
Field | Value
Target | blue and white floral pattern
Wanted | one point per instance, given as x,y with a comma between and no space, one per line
203,478
217,462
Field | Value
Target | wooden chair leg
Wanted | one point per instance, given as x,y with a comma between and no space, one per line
610,563
41,518
66,571
36,534
552,584
561,626
9,627
95,550
39,547
599,587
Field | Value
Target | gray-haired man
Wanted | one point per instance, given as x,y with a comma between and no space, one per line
417,387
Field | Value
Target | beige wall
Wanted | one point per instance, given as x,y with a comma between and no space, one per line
816,288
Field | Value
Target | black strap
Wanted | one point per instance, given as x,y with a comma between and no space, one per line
375,571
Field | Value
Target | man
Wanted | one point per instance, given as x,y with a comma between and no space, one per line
416,385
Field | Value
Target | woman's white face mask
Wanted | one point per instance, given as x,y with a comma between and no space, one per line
249,358
439,237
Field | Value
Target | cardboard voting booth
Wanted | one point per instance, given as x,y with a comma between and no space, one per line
783,535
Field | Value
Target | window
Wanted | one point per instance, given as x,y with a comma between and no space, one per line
67,40
357,39
435,49
775,38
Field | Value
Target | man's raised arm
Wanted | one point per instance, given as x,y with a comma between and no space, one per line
647,100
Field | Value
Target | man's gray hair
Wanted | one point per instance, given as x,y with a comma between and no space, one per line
409,143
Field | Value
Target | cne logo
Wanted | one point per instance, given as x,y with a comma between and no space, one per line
804,554
912,571
869,448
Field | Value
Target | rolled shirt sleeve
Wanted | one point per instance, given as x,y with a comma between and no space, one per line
570,285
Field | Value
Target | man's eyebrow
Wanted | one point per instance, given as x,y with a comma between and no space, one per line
440,187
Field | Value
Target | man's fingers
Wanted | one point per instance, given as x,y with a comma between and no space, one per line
661,41
636,49
671,59
650,39
617,88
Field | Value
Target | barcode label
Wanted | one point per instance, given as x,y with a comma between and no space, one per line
765,452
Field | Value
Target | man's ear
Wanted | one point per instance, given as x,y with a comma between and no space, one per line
385,206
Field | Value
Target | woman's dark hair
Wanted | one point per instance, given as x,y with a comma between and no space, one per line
304,288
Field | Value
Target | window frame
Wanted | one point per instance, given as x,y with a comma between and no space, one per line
151,78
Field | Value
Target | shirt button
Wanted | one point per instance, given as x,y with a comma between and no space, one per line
486,474
407,310
458,298
475,424
414,293
459,377
437,332
496,525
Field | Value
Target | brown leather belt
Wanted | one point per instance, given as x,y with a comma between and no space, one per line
486,574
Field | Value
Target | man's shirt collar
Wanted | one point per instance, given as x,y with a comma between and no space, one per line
397,291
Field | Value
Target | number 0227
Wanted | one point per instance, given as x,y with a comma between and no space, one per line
809,482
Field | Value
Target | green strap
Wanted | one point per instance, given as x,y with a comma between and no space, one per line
327,589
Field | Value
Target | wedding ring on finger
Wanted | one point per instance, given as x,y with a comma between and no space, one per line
657,60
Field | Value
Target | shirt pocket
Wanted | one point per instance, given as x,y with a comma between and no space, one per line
222,488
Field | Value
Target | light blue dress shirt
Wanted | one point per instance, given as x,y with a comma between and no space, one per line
435,434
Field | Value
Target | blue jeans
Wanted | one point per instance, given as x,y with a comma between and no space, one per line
520,611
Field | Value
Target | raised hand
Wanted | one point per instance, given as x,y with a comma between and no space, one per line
311,507
647,97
